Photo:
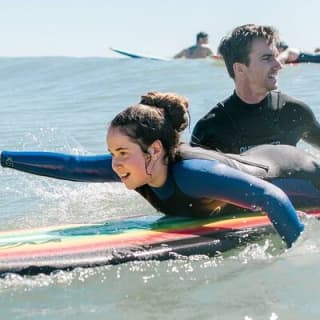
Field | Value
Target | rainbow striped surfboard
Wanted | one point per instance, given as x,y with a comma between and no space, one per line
120,240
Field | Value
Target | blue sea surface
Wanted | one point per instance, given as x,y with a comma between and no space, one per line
65,104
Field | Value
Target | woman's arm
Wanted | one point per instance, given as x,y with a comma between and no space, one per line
211,179
61,166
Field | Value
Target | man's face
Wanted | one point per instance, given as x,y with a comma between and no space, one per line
262,72
203,40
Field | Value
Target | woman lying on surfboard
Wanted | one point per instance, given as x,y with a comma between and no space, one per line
147,156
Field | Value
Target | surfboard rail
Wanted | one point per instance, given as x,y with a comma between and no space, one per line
120,240
136,55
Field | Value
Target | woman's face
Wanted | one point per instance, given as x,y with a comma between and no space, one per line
128,160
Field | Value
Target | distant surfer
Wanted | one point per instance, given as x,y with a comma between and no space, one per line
199,51
293,55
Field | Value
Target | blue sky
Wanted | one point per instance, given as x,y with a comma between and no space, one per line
154,27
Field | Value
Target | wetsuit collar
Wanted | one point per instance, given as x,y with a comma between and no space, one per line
167,189
250,106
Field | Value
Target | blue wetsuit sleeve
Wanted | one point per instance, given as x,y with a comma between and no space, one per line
62,166
212,179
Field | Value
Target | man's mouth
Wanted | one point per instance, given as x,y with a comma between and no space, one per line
273,76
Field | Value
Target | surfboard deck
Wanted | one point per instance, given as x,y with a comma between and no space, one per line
120,240
217,60
136,55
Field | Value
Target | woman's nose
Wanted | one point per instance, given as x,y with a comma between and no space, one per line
116,163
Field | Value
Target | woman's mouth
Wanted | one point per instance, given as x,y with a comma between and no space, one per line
124,176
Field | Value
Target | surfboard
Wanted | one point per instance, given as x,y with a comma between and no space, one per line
136,55
120,240
218,60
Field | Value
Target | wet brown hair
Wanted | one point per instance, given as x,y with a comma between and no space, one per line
158,116
236,46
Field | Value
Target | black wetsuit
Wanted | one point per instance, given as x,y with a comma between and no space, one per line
308,58
234,126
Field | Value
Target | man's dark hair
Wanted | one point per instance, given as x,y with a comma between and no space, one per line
236,46
201,35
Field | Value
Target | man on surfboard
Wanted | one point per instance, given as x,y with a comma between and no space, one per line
255,113
294,55
200,50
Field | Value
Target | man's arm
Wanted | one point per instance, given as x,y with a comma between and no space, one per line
181,54
210,52
210,132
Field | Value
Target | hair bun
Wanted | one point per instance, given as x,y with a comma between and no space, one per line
174,106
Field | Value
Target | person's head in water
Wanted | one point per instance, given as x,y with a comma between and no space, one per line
145,137
281,45
202,38
237,46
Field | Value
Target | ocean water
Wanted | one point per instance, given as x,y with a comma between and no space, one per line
64,104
